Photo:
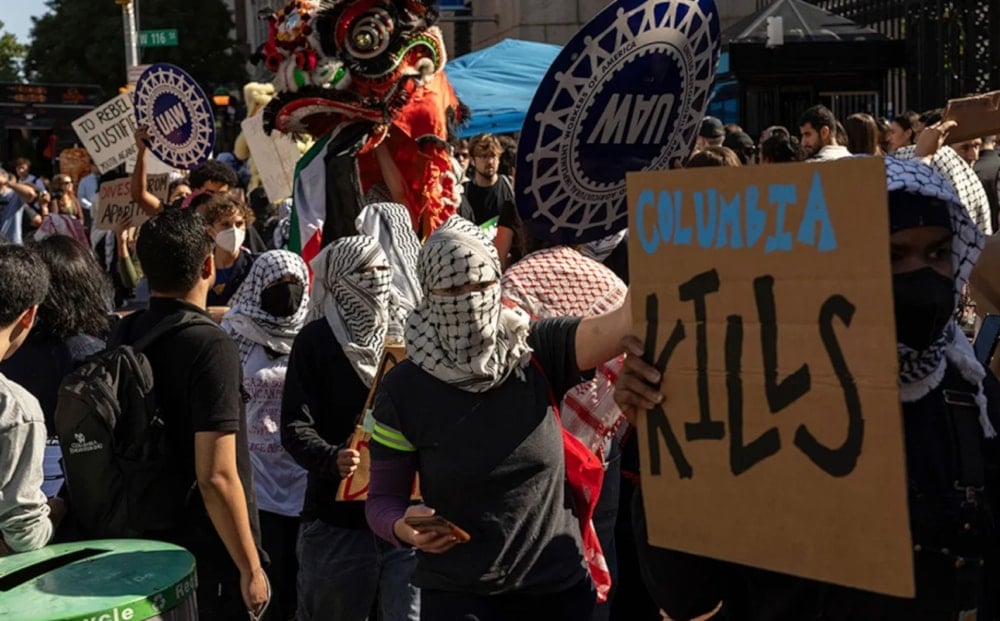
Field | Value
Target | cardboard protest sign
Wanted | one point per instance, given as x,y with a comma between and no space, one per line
765,297
355,487
976,116
626,93
178,114
115,202
107,132
275,157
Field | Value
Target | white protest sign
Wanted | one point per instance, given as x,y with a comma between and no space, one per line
107,132
274,156
115,203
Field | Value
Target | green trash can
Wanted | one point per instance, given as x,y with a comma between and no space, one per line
106,580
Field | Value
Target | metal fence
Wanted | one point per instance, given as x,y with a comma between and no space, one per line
953,46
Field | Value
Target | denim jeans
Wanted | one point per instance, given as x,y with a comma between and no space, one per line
342,571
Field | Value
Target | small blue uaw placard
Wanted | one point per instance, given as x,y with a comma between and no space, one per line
178,115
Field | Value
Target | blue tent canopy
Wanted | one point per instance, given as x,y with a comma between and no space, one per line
499,82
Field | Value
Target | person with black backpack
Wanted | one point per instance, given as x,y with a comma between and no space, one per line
154,433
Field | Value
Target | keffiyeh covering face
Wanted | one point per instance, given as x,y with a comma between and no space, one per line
250,324
354,299
921,372
468,340
390,224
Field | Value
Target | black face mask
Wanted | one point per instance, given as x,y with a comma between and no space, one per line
925,303
281,299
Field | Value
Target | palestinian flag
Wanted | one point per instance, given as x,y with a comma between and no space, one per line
309,202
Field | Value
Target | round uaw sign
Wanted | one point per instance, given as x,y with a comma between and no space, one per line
627,93
178,114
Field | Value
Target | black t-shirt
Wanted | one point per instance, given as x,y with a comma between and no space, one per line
509,219
493,464
197,378
485,202
322,401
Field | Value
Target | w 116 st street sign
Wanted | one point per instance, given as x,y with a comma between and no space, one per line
158,38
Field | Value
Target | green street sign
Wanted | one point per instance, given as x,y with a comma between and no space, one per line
158,38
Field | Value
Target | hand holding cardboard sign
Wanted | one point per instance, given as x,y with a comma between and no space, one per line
933,138
347,462
637,388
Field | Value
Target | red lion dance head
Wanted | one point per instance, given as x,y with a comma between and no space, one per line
368,73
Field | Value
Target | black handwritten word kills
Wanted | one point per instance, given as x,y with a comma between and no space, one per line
781,393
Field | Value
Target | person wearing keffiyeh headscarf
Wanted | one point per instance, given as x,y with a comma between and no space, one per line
268,310
344,570
391,226
475,405
950,411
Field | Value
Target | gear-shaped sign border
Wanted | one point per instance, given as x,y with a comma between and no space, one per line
181,148
555,197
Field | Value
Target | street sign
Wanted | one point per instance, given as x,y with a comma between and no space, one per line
158,38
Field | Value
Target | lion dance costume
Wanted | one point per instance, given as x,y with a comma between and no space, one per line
366,79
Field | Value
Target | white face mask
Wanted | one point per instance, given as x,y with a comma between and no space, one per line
230,240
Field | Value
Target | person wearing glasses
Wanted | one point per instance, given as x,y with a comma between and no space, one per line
487,190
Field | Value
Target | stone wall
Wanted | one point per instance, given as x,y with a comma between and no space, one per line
556,21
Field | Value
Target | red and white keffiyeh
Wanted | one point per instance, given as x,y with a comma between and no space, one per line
561,282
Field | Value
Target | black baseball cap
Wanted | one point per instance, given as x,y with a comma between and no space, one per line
711,127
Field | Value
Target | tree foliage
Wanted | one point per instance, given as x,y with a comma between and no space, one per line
12,52
84,42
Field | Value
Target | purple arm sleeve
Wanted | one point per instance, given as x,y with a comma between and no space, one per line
389,494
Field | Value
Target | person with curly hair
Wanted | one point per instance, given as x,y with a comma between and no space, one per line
227,221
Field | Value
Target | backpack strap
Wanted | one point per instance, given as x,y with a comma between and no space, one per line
173,323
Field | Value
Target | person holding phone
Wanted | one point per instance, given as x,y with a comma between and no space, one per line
471,408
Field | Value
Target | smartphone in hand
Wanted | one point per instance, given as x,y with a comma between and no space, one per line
428,523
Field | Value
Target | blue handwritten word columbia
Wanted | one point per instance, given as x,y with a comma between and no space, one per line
736,221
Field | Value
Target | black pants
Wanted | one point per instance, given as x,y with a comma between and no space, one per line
278,534
574,604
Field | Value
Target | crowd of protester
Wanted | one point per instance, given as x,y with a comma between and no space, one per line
519,359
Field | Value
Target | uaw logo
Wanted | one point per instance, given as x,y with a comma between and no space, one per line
82,445
178,114
626,94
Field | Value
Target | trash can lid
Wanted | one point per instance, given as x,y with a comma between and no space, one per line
106,580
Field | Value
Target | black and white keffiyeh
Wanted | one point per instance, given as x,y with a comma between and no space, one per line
469,340
963,179
391,226
248,323
921,372
354,299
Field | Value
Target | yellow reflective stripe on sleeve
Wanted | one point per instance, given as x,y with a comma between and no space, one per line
389,437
